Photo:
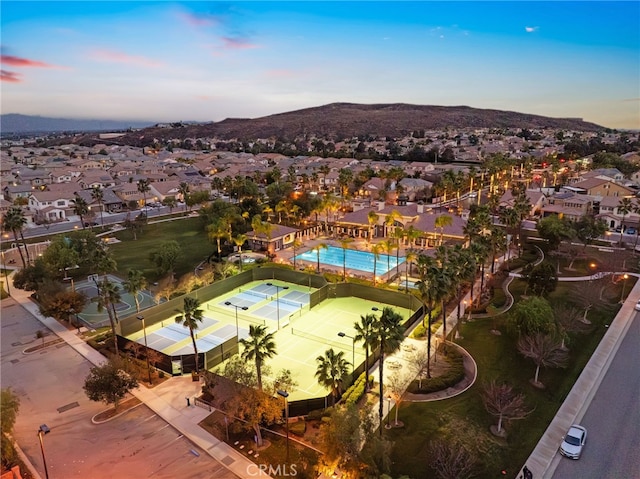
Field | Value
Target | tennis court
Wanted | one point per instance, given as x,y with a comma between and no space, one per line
125,307
301,334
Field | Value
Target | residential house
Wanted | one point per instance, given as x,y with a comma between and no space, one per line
568,205
280,237
50,206
602,187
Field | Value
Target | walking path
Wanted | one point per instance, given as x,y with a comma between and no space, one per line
167,400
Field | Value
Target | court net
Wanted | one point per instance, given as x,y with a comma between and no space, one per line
257,294
320,339
244,317
290,302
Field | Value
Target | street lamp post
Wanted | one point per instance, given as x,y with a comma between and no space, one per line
6,273
353,353
243,308
42,430
285,395
146,348
278,288
388,411
624,283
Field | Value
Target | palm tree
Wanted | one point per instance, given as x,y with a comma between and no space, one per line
190,317
135,283
410,257
376,250
295,245
443,284
510,218
344,242
390,220
365,332
372,218
239,240
624,208
183,190
317,249
80,208
216,231
258,347
14,221
388,245
108,297
440,223
97,194
143,187
332,371
428,271
389,334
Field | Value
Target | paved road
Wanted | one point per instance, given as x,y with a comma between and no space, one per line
612,420
49,384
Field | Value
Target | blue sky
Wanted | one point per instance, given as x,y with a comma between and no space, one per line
208,60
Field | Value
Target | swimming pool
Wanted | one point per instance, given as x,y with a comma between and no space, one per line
360,260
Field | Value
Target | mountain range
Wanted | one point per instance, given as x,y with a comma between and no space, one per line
333,122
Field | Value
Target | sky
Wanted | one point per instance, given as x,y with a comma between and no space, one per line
210,60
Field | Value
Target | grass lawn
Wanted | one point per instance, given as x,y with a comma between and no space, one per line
187,232
464,417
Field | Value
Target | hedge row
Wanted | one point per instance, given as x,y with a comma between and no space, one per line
353,394
453,376
421,330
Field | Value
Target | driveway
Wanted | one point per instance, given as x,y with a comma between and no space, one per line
49,385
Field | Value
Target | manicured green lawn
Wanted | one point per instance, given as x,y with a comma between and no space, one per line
464,417
135,254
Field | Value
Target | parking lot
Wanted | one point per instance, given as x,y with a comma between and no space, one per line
49,385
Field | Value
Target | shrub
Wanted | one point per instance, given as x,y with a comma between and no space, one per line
355,392
450,378
298,428
421,330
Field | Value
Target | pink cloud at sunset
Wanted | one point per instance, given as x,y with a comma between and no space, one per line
121,57
11,77
199,20
238,43
23,62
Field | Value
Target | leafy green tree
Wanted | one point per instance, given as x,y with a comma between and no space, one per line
588,228
63,305
31,277
332,371
61,254
542,279
258,347
170,202
109,383
191,316
553,230
342,438
166,257
9,407
532,315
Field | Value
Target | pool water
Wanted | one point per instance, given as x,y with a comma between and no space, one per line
360,260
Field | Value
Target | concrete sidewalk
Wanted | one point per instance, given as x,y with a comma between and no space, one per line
167,400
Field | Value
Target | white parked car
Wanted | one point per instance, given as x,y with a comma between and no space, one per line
573,442
638,306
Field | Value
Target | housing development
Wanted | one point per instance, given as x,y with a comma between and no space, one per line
440,304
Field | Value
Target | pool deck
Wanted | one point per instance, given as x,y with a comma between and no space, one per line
286,256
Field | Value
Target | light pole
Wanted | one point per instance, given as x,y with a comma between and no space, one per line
6,273
278,288
285,395
624,283
243,308
42,430
388,411
353,353
146,348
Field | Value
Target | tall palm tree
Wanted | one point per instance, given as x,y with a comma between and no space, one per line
295,245
332,371
216,231
389,334
183,190
372,218
344,242
440,223
510,218
390,220
444,284
388,245
108,297
97,193
317,249
239,240
410,257
258,347
143,187
190,317
135,283
376,250
428,272
80,208
366,334
14,221
624,208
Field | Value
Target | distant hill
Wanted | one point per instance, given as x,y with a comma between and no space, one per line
338,121
14,123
